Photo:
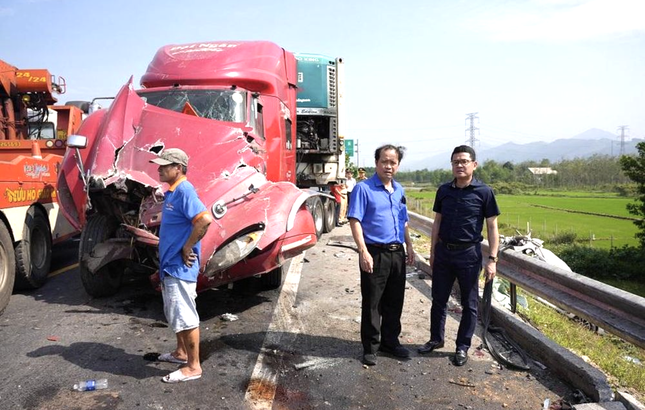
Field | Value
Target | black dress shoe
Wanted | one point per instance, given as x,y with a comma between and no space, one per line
369,359
430,346
398,351
461,357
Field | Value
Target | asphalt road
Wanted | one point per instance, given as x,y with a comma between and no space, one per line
292,348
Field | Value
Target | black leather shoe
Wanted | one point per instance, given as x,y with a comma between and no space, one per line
398,351
461,357
369,359
430,346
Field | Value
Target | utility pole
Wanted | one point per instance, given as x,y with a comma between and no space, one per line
622,129
472,117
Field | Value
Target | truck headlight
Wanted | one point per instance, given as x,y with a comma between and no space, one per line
234,251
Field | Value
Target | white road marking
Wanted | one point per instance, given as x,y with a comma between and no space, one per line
284,323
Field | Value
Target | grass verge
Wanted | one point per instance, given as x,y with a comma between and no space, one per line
622,362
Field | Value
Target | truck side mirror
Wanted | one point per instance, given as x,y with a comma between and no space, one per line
76,141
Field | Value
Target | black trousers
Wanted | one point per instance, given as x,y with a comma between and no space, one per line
383,292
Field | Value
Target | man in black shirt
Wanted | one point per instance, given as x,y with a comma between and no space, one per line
461,207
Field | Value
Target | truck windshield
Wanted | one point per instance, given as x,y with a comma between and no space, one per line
221,105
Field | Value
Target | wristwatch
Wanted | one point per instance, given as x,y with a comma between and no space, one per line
493,258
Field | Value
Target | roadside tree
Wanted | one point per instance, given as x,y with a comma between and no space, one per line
634,168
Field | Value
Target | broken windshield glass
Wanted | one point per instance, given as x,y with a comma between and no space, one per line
221,105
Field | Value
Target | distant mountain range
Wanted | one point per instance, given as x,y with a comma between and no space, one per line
586,144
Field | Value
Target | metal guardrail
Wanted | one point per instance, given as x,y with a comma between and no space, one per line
618,312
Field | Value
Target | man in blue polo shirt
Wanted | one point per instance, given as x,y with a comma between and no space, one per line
184,222
378,217
461,207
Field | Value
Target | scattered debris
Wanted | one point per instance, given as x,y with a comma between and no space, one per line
634,360
348,290
52,338
462,382
229,317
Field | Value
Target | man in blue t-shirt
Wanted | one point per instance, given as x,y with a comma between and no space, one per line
461,207
378,217
184,222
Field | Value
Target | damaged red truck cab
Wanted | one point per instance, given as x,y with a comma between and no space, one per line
231,107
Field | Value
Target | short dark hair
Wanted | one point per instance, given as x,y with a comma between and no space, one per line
464,148
399,151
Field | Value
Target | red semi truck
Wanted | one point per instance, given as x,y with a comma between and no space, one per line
231,106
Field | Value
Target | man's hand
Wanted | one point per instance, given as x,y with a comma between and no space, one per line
188,256
491,270
410,256
366,262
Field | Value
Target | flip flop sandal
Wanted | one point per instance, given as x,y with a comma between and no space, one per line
177,377
168,357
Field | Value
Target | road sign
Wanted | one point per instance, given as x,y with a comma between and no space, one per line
349,147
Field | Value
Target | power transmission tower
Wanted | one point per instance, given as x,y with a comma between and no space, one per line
622,129
472,117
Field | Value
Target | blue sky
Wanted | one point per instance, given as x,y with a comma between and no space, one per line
533,70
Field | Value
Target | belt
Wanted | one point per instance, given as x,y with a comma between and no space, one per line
392,247
458,246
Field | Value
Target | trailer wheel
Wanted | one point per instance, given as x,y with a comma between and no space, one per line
107,280
34,251
7,267
273,279
330,215
318,212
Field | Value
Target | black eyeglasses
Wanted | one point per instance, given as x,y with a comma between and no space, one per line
463,162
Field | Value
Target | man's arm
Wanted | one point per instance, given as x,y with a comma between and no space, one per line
493,246
434,239
200,227
364,258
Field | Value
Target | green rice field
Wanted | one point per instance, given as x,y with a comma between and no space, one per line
548,214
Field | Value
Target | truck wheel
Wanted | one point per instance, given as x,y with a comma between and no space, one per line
273,279
330,215
317,211
34,251
106,281
7,267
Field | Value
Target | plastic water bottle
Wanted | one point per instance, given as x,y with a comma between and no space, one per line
91,385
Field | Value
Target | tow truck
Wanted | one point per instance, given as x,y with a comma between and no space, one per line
32,143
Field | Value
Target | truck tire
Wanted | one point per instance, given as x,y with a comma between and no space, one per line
34,251
330,215
107,280
7,267
318,212
273,279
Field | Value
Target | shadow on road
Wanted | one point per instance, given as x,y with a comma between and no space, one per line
100,357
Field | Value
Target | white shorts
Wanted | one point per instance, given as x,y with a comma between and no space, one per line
179,303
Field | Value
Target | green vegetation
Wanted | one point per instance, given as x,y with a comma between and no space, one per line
634,168
548,216
614,356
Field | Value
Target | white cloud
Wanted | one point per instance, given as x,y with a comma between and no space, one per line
563,20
